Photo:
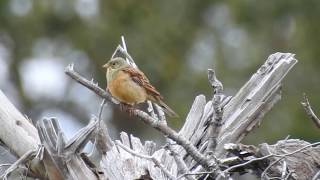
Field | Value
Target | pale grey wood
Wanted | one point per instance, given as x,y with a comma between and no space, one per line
16,131
150,147
181,166
193,122
6,158
119,164
62,159
303,164
193,117
140,165
208,110
239,112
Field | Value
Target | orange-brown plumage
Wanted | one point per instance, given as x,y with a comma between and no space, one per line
125,90
129,85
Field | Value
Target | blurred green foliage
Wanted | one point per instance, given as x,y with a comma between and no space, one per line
174,43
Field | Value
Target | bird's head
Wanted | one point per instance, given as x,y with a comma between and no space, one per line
116,63
114,66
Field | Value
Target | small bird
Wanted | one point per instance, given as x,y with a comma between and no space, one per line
130,86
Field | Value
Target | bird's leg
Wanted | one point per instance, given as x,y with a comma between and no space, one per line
123,106
127,107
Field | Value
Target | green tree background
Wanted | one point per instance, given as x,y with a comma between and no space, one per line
173,42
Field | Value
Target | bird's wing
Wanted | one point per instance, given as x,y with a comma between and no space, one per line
138,77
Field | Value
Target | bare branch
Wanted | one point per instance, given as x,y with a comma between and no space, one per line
284,170
89,84
125,52
307,107
123,43
246,163
216,120
1,165
28,156
316,176
195,173
215,83
102,140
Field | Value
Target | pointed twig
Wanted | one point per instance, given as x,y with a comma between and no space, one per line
216,120
78,141
307,107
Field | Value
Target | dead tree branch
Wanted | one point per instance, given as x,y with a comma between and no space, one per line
216,120
307,107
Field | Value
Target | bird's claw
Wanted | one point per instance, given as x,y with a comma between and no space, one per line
127,107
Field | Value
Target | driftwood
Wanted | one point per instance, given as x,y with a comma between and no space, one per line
207,145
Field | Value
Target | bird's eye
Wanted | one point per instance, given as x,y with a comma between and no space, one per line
113,64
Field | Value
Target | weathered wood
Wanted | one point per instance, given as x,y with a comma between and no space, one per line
307,107
182,168
28,156
216,119
118,164
16,131
301,165
244,108
6,158
62,159
287,159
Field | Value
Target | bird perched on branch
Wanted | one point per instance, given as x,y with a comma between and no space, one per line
130,86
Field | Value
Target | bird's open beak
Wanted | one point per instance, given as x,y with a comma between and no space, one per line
106,65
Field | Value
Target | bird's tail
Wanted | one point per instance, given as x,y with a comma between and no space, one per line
167,109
